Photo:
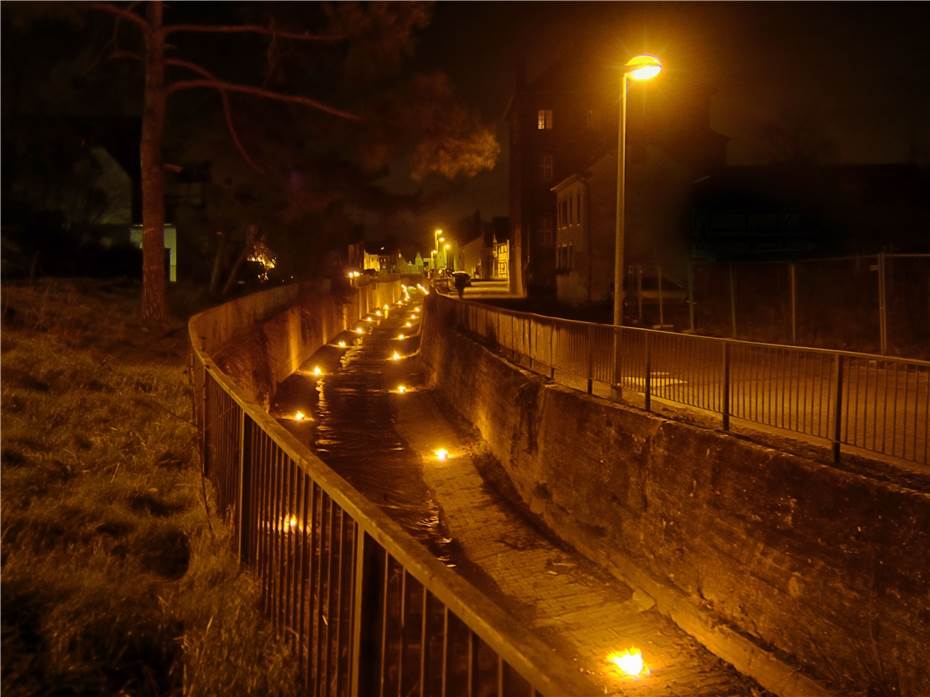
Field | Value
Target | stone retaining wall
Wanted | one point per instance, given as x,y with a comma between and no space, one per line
770,559
262,338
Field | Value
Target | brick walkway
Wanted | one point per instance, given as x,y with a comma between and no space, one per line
570,603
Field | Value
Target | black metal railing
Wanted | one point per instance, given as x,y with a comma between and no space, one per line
877,404
368,609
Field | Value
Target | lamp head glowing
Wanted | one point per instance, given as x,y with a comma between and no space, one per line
643,67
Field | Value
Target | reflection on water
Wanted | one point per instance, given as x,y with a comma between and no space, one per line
352,405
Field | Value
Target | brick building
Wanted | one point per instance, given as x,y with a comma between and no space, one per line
566,119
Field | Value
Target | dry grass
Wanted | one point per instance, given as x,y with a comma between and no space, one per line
116,579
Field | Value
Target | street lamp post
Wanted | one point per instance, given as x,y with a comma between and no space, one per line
637,68
437,238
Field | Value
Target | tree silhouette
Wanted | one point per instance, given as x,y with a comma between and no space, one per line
157,59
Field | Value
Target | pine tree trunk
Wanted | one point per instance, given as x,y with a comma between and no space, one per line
153,173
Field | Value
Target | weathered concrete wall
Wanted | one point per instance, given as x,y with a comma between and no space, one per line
262,338
768,558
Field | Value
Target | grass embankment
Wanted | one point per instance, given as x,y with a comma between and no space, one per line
117,574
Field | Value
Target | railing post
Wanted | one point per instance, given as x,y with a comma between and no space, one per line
365,602
838,406
590,358
648,367
725,397
552,350
243,516
204,440
616,376
513,339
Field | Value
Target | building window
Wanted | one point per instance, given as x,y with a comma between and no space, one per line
578,207
544,120
545,230
546,168
564,257
592,120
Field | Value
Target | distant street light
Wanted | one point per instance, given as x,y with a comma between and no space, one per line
437,236
638,68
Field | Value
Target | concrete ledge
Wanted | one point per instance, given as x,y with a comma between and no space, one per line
798,574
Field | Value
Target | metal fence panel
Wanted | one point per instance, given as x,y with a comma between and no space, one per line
869,402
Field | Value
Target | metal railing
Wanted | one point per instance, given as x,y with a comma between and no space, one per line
873,403
367,608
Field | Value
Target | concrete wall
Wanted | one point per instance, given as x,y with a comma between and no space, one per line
771,560
262,338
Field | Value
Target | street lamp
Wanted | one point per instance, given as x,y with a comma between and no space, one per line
638,68
445,254
437,238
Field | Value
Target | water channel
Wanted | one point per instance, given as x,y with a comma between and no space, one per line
341,403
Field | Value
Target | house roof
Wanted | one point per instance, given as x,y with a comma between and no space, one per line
568,181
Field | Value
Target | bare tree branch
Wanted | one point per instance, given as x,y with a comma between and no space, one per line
264,94
123,13
227,110
253,29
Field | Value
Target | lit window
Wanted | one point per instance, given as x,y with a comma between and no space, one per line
546,168
544,119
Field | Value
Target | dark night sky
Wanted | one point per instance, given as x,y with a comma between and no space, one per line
858,72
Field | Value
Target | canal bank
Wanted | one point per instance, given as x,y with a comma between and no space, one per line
782,565
368,412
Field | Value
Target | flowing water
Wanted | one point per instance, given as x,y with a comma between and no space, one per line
351,410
